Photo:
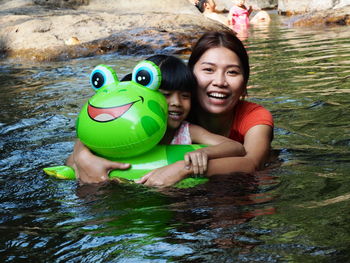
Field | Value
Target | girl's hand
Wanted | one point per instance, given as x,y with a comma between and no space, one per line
197,160
165,176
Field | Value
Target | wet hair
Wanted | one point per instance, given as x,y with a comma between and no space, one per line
216,39
200,5
175,73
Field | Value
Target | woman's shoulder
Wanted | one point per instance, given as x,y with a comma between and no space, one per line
249,106
251,111
247,115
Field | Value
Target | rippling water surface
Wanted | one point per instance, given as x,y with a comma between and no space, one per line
297,210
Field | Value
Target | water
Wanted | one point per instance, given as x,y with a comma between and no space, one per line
297,210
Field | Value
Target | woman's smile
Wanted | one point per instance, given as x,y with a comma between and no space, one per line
218,97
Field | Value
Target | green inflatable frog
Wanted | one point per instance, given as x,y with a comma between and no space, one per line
124,122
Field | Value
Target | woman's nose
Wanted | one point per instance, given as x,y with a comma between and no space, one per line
220,80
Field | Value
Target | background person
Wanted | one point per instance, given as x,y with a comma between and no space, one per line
209,10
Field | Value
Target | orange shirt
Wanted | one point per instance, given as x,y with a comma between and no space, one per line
247,115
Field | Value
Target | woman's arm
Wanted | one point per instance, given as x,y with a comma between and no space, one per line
257,146
219,147
250,10
90,168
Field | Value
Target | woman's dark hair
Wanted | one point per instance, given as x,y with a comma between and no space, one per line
175,73
216,39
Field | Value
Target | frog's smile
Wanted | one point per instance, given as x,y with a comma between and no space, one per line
109,113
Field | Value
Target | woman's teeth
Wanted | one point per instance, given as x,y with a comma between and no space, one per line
217,95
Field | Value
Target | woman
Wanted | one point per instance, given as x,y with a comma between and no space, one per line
220,64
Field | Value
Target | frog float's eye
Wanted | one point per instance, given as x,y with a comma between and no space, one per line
147,74
102,75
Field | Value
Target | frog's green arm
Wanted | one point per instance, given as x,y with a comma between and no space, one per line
159,156
61,172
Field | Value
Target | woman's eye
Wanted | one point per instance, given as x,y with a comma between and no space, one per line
147,74
208,69
233,72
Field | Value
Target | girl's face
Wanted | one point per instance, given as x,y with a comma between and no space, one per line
179,105
220,80
240,2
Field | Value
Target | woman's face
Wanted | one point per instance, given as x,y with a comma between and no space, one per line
220,80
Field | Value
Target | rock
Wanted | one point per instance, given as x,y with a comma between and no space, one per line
290,7
328,18
40,33
46,30
256,4
316,12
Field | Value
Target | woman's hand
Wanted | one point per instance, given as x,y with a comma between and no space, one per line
197,160
90,168
166,176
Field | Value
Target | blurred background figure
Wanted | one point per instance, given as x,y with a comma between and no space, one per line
239,14
262,17
209,10
238,18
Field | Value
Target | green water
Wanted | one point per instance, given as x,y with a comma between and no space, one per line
297,210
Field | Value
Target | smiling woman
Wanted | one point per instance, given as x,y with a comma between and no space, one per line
220,64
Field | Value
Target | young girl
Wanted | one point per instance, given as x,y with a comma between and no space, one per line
238,16
177,83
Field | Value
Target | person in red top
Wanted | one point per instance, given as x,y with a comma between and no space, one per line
220,64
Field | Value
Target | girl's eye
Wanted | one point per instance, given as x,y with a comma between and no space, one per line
165,93
102,75
186,95
147,74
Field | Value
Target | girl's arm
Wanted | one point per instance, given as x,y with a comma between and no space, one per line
90,168
219,147
257,146
250,10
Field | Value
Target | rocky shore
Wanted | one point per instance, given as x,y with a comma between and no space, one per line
44,33
30,30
